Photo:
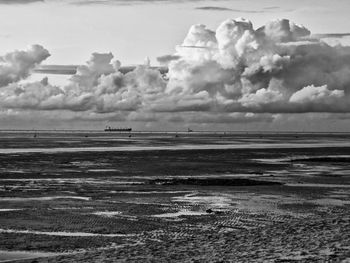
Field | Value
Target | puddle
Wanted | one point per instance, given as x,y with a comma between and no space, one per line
73,208
181,213
62,233
107,213
83,163
9,256
15,171
273,160
214,201
149,192
44,198
60,181
103,170
319,185
331,202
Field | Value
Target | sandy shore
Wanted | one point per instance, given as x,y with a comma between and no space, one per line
193,205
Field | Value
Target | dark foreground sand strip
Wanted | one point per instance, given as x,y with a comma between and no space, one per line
213,182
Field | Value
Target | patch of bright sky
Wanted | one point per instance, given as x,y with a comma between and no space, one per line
133,31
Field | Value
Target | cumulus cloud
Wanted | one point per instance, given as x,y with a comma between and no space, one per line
230,74
320,99
98,86
17,65
259,70
282,30
316,94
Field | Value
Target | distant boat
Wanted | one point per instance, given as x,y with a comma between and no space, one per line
109,129
189,130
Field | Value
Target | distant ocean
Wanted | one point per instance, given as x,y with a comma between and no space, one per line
97,141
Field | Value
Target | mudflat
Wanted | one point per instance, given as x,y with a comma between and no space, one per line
186,198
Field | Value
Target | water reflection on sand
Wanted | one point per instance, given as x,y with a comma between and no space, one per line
62,202
177,147
43,198
61,234
9,256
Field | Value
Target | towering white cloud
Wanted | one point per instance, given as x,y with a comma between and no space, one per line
17,65
233,73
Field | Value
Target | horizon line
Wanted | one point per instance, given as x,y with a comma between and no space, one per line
178,131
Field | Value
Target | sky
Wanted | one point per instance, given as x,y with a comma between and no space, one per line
132,30
206,88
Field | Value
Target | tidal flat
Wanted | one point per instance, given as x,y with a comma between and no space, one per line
187,198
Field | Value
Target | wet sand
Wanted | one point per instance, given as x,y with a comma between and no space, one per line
182,205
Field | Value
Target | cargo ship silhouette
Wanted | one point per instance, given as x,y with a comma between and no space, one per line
110,129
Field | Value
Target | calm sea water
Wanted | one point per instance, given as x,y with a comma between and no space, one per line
22,142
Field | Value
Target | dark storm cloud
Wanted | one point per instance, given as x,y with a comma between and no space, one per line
214,8
271,7
332,35
72,69
57,69
167,58
219,8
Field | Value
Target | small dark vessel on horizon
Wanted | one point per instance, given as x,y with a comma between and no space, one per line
110,129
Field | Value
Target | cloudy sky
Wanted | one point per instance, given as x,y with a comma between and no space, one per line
286,66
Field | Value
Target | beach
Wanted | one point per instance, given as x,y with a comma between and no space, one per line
179,197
